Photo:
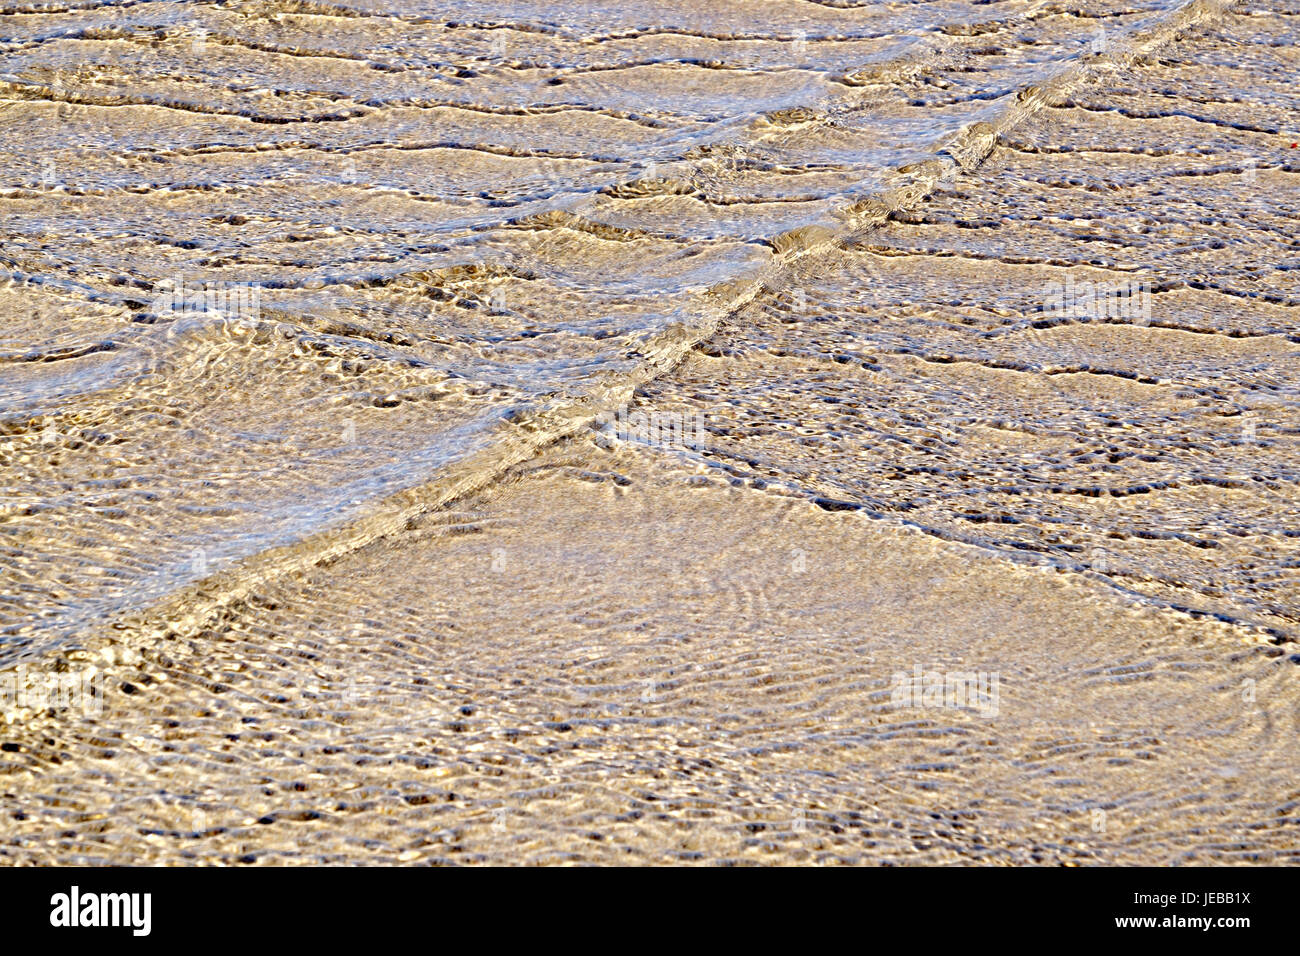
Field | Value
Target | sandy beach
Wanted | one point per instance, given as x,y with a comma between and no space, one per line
728,433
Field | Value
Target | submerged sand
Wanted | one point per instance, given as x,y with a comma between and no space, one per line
614,659
552,507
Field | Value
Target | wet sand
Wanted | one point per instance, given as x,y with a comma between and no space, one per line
551,506
613,659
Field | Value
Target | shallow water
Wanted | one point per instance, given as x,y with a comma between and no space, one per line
424,241
417,219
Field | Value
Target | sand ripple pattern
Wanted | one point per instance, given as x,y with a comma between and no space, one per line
831,232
